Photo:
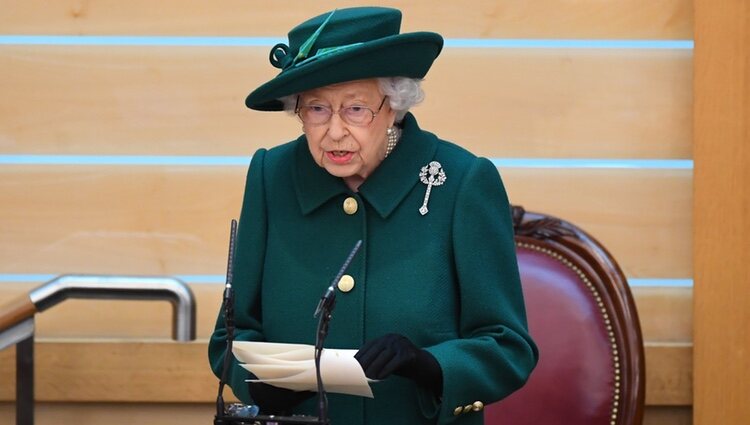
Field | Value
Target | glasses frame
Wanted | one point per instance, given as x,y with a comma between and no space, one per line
298,109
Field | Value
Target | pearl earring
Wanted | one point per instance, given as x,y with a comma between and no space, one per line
394,134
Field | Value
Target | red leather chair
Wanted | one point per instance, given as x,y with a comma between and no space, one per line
581,314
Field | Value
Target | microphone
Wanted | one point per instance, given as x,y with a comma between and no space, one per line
228,325
328,299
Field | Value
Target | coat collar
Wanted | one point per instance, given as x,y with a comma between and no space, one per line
384,189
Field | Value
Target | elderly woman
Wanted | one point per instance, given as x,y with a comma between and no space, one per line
433,299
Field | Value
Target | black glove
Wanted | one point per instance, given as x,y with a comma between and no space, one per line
395,354
274,400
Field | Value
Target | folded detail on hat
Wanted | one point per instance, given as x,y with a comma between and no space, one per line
279,56
327,51
304,50
280,53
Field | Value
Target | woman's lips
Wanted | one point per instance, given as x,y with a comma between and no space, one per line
339,157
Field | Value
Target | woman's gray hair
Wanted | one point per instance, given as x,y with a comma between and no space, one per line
290,103
402,92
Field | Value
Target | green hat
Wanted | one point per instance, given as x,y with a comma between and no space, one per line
345,45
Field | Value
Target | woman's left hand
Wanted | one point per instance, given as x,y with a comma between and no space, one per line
396,354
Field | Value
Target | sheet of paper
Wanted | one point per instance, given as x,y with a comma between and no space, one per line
292,366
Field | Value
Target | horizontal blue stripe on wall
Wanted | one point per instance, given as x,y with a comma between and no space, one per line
669,164
125,160
220,279
567,44
126,40
209,161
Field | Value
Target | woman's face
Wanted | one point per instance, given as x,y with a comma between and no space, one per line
344,149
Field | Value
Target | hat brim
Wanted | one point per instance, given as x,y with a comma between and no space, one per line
403,55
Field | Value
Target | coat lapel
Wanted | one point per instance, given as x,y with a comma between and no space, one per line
392,181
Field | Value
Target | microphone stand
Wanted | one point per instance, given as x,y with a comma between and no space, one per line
229,326
324,310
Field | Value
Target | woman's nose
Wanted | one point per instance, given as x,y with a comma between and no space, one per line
337,128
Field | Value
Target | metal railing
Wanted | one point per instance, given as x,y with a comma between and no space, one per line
17,318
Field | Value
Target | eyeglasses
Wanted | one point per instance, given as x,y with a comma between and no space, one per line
356,115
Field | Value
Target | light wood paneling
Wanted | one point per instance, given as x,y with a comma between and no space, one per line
669,374
669,415
496,102
641,216
721,209
475,18
562,103
173,372
173,220
202,413
115,371
126,220
57,413
665,313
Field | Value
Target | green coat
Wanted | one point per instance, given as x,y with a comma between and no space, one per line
447,280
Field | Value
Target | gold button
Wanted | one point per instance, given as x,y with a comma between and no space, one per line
458,411
477,406
350,205
346,283
468,408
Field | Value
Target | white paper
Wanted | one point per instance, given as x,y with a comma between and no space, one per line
292,366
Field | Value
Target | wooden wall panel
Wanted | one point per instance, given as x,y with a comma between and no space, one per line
665,19
563,102
669,374
722,211
668,415
643,217
57,413
666,313
579,103
137,220
115,371
172,220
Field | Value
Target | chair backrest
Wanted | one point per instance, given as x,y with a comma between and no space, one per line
582,316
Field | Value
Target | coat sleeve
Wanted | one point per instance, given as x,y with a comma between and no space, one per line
495,354
248,270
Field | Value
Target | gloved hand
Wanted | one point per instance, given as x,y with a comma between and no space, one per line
274,400
396,354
